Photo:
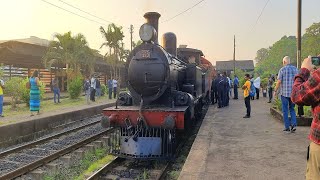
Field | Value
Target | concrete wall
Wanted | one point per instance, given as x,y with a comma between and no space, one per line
29,130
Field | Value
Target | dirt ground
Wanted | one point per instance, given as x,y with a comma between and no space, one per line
230,147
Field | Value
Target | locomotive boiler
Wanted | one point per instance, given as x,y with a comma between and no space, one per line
167,90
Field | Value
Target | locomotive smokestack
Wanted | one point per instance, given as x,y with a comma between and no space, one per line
169,43
153,19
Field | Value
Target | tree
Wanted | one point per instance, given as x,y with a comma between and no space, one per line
311,39
135,44
70,51
286,46
113,37
262,54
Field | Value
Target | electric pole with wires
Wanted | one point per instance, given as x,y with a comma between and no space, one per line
234,55
131,32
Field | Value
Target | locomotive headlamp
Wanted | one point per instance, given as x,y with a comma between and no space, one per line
147,32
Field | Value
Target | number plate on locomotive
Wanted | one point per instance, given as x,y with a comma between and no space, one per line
144,54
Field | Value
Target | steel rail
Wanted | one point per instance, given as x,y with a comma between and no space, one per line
96,175
42,140
29,167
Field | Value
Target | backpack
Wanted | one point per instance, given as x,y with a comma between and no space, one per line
86,85
252,91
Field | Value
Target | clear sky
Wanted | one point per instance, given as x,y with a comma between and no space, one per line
210,26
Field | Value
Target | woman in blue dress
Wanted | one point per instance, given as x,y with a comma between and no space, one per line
34,93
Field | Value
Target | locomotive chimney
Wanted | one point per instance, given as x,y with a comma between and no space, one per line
169,43
153,19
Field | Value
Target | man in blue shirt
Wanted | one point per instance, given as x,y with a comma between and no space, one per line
110,86
284,84
235,87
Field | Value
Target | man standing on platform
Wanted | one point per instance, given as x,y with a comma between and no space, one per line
285,82
98,87
93,88
213,91
256,84
270,87
1,97
235,87
110,86
115,85
246,89
220,89
56,89
305,92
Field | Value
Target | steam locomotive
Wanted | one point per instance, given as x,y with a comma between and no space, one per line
168,88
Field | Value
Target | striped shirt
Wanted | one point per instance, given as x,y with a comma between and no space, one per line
286,76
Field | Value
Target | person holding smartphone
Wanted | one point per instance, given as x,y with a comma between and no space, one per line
306,92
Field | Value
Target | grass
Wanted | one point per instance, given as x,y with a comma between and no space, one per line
91,160
95,166
47,106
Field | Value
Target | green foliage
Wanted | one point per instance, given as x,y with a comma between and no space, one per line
277,103
13,90
286,46
71,50
75,87
264,82
1,70
240,73
262,54
306,109
310,40
103,90
76,169
269,60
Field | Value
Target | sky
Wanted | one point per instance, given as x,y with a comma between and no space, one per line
209,26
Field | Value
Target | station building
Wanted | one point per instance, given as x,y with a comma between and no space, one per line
227,66
20,57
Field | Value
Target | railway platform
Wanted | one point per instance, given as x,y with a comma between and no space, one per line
228,146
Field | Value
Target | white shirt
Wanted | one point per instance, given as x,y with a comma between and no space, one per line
114,83
1,82
93,83
256,82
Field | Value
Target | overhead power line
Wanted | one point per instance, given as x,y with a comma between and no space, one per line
260,14
85,11
183,11
74,13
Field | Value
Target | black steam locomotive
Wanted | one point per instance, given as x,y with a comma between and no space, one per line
167,90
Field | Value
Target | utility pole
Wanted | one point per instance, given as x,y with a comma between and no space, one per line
131,32
300,108
234,55
299,35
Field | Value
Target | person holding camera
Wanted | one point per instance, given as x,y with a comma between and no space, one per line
306,92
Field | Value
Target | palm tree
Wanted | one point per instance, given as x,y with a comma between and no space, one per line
70,51
113,36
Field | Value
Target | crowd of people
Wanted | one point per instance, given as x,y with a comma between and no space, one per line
92,88
292,87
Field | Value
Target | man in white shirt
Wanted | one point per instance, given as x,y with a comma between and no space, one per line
114,85
256,84
92,88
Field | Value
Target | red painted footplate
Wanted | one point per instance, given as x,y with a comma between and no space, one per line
153,116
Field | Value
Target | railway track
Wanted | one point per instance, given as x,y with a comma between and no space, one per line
25,158
131,169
